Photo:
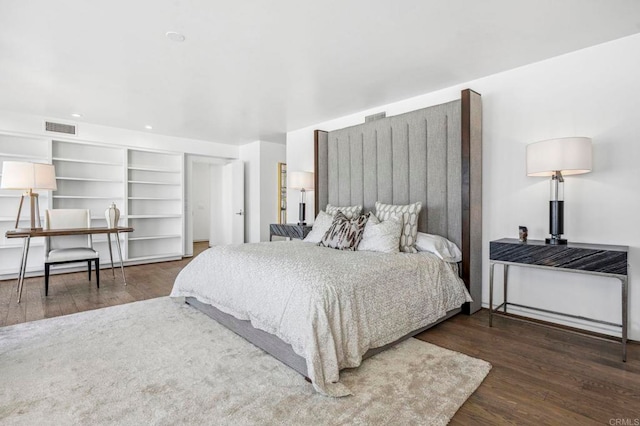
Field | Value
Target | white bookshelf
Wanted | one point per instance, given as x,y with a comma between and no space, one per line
20,148
155,204
146,185
90,176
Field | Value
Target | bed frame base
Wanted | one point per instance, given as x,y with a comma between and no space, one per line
275,346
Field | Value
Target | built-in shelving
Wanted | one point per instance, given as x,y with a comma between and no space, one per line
89,176
154,204
146,185
153,216
87,179
76,160
155,237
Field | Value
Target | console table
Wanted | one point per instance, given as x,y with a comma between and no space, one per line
27,234
593,259
289,230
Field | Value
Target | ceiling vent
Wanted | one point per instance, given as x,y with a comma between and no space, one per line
374,117
68,129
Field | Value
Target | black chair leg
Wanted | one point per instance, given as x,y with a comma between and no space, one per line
46,279
89,269
97,272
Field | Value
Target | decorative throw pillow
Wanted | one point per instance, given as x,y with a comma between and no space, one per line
440,246
379,236
344,233
349,211
320,227
409,213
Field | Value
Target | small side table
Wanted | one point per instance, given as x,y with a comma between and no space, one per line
289,230
593,259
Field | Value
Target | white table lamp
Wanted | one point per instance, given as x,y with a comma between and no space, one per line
558,158
29,177
302,181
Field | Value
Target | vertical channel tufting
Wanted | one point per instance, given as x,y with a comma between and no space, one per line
356,195
391,166
408,165
369,167
384,157
425,205
344,152
446,173
400,160
407,158
332,171
362,167
454,169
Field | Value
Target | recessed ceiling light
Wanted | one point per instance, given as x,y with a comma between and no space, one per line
148,127
175,36
76,115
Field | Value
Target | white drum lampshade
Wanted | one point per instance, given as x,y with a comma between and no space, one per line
302,181
570,156
558,158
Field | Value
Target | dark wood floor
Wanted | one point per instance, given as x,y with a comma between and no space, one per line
540,375
71,293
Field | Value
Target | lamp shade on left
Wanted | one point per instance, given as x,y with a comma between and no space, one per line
23,175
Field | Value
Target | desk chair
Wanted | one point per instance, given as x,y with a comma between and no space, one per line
68,248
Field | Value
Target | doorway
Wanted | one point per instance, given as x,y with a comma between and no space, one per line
214,201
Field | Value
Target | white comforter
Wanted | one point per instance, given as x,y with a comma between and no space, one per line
331,306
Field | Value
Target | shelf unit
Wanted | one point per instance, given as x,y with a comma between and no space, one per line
20,148
155,204
90,176
146,185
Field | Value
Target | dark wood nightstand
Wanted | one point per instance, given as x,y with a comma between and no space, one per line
592,259
289,230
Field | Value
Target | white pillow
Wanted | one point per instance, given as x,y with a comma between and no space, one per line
320,227
440,246
379,236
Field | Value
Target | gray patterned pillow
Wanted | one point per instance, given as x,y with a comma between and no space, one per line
409,213
344,233
349,211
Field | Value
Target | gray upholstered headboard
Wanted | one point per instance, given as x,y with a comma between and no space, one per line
431,155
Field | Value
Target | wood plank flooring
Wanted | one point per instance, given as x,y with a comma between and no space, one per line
71,293
540,375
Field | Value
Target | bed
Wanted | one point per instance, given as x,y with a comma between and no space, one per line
320,310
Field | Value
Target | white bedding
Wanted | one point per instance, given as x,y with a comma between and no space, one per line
331,306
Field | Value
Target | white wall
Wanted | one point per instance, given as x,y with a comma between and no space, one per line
270,155
261,187
250,155
201,201
593,92
34,125
216,236
24,124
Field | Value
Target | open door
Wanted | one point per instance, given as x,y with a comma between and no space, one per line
233,202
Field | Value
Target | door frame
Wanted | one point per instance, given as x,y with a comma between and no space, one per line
189,160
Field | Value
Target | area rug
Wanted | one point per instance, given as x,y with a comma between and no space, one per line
163,362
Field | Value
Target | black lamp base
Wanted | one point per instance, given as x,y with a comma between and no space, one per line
556,241
301,214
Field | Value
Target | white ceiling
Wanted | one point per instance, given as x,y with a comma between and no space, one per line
255,69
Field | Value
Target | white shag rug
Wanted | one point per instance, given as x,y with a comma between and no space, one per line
163,362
